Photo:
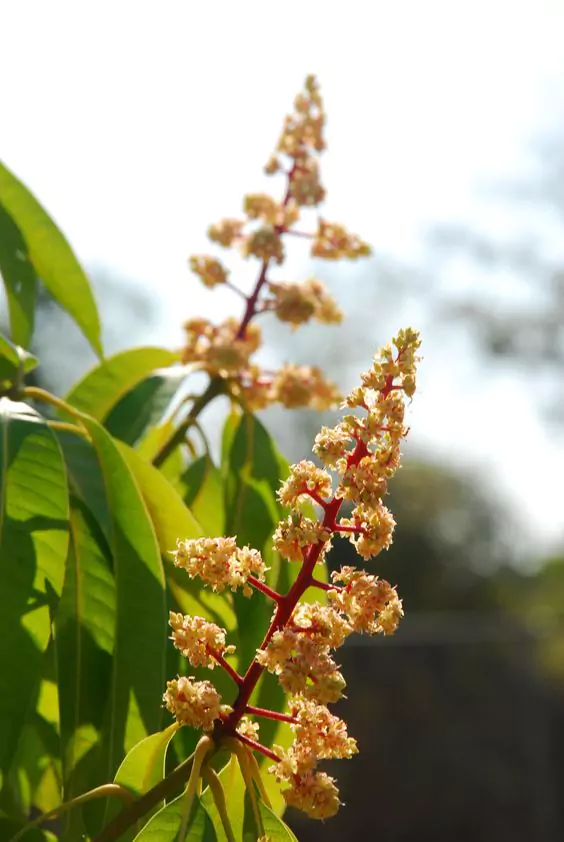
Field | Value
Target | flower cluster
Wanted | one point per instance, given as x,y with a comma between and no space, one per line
318,735
195,703
225,350
220,563
363,452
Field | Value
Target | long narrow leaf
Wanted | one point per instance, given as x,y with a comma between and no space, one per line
145,405
165,825
84,642
33,551
102,387
140,634
52,257
20,280
172,520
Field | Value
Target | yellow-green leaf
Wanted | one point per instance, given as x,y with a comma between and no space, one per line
52,257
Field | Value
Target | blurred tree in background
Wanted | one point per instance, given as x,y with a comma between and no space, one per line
516,310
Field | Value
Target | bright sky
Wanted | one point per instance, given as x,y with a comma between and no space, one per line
138,123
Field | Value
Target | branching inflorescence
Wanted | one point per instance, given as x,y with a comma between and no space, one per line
363,451
225,351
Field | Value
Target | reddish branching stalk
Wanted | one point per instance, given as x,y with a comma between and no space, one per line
297,645
270,714
238,679
252,300
254,746
263,588
287,603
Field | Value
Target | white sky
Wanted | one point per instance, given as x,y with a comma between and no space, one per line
139,123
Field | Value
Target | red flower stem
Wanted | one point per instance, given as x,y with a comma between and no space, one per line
287,603
252,299
271,714
260,586
325,586
319,500
358,530
238,679
257,747
299,233
234,288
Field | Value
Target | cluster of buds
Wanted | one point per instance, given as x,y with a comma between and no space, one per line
225,350
359,457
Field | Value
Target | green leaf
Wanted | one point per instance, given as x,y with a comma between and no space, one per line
145,405
234,790
172,520
33,551
14,361
51,256
144,766
165,825
20,280
105,385
275,829
203,493
85,476
84,636
251,471
10,826
37,765
141,621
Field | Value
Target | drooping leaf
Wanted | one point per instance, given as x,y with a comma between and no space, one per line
33,551
140,633
84,635
51,256
234,789
20,280
105,385
165,825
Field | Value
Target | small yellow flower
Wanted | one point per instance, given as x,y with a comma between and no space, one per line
321,623
248,728
219,562
264,243
296,386
315,793
333,242
226,231
305,479
209,270
296,533
195,703
370,604
196,638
